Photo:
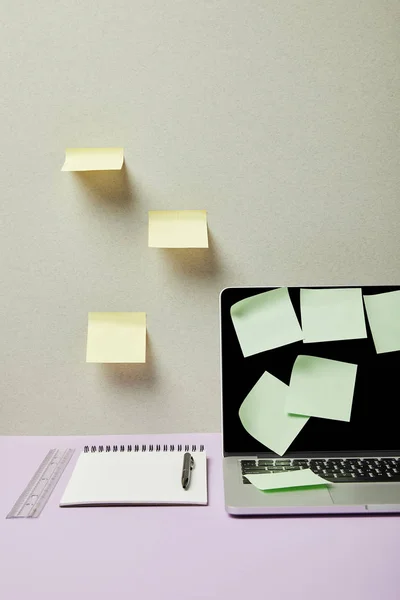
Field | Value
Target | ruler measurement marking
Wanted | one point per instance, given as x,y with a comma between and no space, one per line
39,489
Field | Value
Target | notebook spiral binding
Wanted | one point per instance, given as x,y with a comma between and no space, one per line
146,448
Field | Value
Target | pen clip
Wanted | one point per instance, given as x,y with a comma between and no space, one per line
188,464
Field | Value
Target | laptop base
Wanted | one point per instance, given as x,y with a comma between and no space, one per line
337,498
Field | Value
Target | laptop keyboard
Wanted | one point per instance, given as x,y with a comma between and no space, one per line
336,470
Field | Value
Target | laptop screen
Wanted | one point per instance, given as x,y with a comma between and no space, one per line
374,426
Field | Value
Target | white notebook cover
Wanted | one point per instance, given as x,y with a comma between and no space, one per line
101,478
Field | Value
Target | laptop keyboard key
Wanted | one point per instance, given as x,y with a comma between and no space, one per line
253,470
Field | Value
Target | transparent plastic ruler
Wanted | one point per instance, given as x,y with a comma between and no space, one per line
38,491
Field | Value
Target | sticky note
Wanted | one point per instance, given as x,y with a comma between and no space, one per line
263,414
265,321
321,387
93,159
178,229
332,314
286,480
383,312
116,337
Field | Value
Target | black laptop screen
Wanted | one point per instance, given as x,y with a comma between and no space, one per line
374,426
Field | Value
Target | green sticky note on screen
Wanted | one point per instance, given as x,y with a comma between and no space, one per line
263,414
265,321
383,312
286,480
320,387
332,314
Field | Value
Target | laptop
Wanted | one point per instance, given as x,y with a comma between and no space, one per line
360,458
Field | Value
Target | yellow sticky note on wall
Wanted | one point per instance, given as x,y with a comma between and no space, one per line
178,229
93,159
116,337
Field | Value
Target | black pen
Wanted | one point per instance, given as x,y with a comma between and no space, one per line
188,464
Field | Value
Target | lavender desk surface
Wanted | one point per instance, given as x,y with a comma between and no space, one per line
188,553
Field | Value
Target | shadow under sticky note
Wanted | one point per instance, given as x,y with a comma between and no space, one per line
178,229
287,480
265,321
93,159
332,314
116,337
111,190
263,414
383,312
140,375
196,263
321,387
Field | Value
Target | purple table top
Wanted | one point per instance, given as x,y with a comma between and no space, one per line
185,552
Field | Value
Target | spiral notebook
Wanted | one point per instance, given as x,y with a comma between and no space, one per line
146,474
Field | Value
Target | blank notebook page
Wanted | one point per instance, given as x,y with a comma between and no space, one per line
135,478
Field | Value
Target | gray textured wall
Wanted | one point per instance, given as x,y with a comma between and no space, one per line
280,118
